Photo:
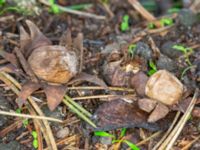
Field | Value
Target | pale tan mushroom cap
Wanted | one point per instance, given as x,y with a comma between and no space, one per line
53,63
164,87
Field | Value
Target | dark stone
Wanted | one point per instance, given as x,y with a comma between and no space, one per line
143,50
4,104
120,114
14,145
54,114
166,63
167,50
186,17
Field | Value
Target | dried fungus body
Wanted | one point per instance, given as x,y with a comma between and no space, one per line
164,87
47,66
163,90
53,63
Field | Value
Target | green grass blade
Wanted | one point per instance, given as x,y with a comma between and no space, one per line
123,132
103,134
80,6
131,145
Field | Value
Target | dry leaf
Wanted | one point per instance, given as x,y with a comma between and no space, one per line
158,113
120,114
27,89
147,104
89,78
55,94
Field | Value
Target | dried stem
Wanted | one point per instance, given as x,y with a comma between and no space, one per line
75,12
30,116
142,10
44,125
80,114
168,143
101,88
168,131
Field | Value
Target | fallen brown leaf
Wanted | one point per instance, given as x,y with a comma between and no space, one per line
55,94
89,78
119,114
27,89
158,113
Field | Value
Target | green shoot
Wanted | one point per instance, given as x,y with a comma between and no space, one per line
153,68
103,134
35,143
24,121
105,1
173,10
123,132
131,145
120,140
166,22
18,110
34,134
151,26
125,23
2,2
180,48
35,140
54,8
186,69
186,51
80,6
131,49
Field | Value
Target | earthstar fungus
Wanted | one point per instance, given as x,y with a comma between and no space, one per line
48,66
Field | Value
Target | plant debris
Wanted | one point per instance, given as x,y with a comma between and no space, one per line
109,75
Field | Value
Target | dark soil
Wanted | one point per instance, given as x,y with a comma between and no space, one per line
106,56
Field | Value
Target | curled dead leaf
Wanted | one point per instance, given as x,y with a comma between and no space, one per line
158,113
147,104
118,114
27,89
55,94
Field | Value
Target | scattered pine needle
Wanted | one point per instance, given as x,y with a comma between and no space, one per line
30,116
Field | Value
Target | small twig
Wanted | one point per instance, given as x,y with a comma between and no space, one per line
101,88
44,125
75,12
30,116
149,138
80,114
168,131
94,97
156,51
186,147
168,143
142,10
78,106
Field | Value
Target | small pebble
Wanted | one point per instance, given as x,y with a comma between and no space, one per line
166,63
64,132
106,140
14,145
167,50
143,50
186,17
